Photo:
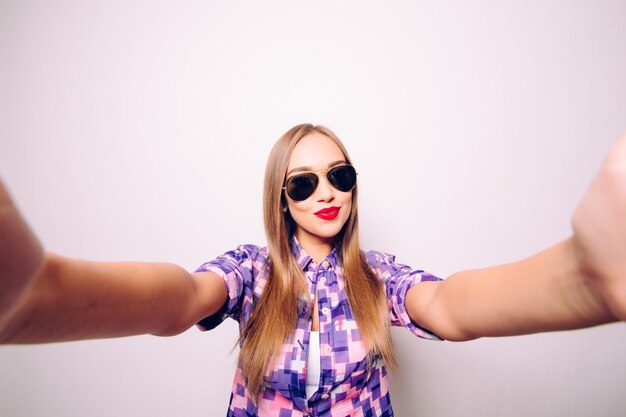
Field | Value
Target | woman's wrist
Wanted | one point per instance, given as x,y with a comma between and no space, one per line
21,254
600,231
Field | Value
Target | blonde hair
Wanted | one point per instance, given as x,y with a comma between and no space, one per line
275,316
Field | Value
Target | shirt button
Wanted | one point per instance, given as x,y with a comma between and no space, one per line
325,264
325,310
328,350
323,280
325,396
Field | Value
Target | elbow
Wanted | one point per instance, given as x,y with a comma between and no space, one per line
426,308
171,331
174,327
456,336
439,321
451,330
446,329
183,303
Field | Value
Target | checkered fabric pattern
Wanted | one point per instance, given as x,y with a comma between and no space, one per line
348,386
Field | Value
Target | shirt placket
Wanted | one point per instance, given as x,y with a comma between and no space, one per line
299,394
325,276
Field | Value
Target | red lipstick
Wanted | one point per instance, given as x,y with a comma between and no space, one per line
328,213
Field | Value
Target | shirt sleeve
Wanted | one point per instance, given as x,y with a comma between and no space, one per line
398,279
236,269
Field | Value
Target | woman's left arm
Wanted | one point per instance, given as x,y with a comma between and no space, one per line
579,282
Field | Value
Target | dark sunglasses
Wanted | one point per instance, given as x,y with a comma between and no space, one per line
301,186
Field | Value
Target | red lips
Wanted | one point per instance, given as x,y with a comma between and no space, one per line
328,213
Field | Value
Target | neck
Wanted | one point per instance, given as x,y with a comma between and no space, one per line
318,248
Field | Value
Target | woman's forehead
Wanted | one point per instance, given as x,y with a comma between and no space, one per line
315,151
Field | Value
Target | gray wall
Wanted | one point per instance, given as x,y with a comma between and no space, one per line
139,131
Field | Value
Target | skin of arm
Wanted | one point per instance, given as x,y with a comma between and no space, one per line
545,292
578,282
45,297
73,299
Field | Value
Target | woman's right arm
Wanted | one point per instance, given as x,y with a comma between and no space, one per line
45,297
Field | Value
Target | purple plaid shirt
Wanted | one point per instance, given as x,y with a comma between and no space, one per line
348,385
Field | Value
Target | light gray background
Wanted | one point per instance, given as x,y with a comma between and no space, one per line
139,131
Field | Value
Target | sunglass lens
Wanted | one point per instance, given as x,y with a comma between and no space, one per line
342,178
300,187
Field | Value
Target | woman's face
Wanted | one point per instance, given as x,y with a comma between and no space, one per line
320,217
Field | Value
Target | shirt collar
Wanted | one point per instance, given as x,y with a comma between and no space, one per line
304,258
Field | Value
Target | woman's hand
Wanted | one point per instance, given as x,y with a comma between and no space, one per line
600,231
21,254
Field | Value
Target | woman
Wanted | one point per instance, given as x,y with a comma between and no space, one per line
314,311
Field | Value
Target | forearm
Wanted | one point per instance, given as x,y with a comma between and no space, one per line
74,299
545,292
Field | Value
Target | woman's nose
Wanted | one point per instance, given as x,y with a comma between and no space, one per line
324,191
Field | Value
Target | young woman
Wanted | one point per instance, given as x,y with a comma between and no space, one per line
314,310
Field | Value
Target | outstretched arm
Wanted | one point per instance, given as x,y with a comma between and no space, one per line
46,298
579,282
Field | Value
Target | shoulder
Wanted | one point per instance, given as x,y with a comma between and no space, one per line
251,251
385,265
245,255
375,258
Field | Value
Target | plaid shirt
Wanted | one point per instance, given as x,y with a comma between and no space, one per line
348,385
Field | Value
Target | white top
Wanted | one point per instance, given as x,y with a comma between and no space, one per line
313,365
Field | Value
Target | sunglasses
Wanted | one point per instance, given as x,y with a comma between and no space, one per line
302,186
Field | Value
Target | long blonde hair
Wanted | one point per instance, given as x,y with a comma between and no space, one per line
275,316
